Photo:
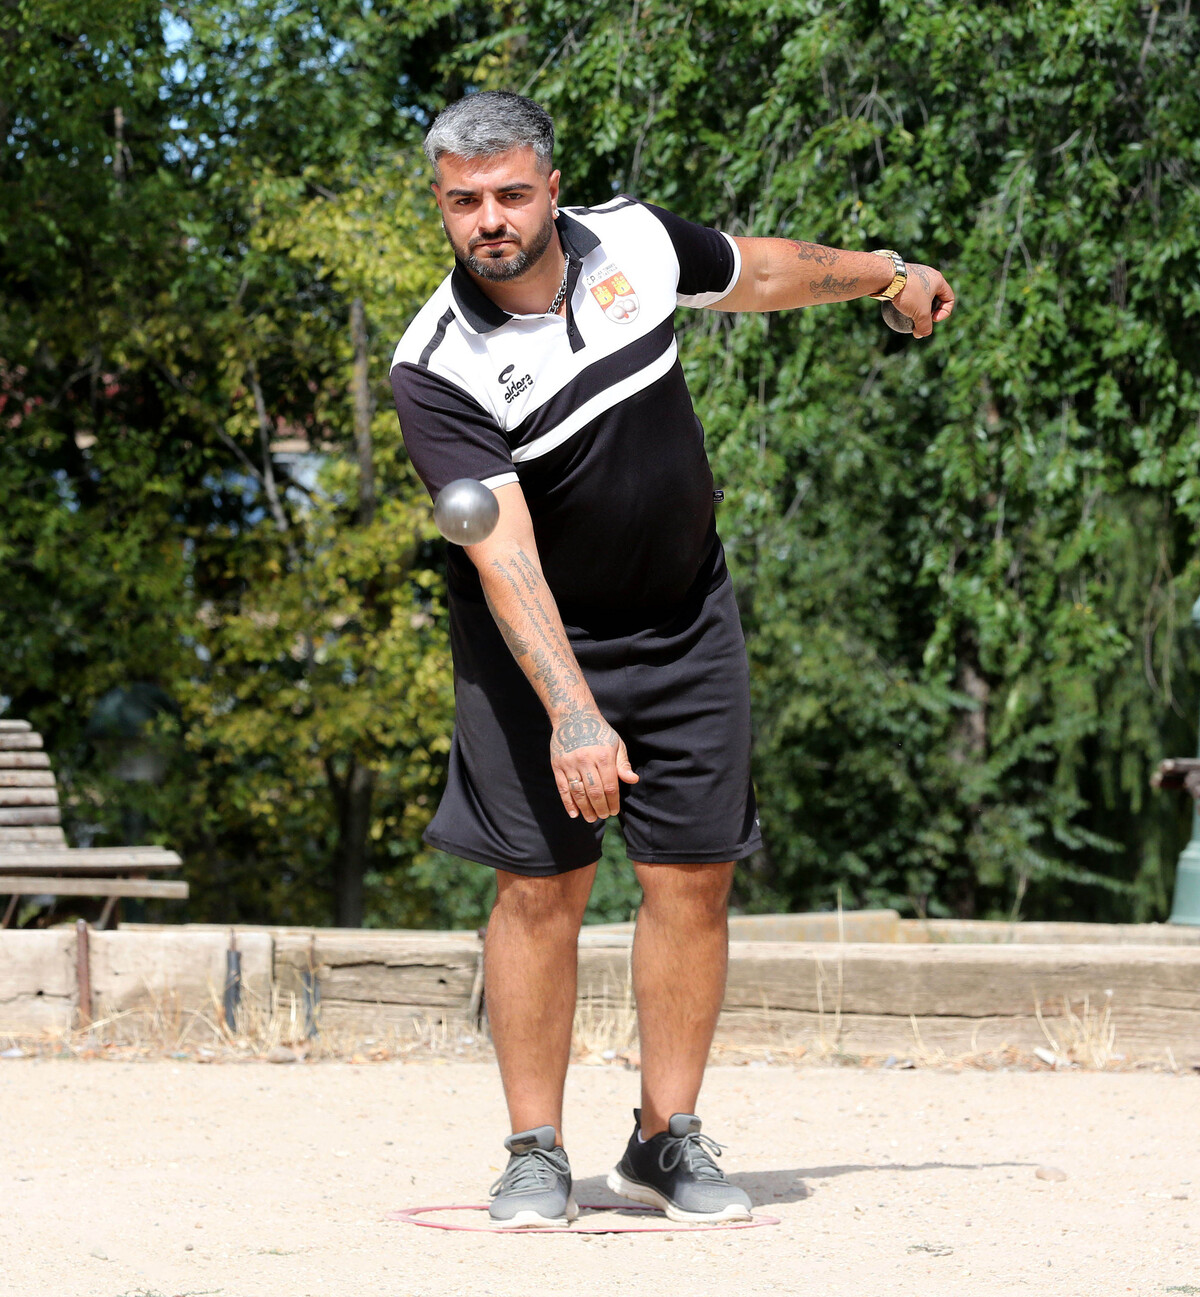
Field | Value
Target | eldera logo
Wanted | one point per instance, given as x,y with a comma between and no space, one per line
516,387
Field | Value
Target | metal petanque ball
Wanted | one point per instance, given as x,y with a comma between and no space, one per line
895,319
466,511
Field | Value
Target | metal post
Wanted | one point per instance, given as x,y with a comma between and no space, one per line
310,991
233,983
1186,908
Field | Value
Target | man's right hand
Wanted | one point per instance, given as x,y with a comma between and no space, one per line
589,761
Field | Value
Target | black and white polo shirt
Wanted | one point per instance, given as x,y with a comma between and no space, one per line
589,413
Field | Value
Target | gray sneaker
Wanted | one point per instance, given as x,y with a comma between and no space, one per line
535,1189
675,1171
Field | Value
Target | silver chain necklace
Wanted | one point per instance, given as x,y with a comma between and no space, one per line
562,288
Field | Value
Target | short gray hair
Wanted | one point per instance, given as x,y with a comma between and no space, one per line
491,122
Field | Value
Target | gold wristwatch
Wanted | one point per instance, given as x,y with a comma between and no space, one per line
899,279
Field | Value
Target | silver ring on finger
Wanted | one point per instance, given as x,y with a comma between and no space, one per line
574,783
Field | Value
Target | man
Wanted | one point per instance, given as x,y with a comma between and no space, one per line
599,665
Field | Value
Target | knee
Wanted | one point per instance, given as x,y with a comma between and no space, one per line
699,891
542,904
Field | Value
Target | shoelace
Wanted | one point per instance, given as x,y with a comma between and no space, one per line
698,1150
537,1169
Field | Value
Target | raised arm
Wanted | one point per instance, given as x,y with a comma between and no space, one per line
587,755
781,274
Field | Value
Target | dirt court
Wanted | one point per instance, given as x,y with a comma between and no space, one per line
168,1178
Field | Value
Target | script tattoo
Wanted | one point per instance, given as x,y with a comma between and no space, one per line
581,729
817,252
831,286
555,670
556,691
922,275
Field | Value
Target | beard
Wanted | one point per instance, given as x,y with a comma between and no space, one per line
500,269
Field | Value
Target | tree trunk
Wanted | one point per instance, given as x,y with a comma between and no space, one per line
363,410
354,793
353,797
970,749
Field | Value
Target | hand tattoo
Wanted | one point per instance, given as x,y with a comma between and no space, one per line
581,729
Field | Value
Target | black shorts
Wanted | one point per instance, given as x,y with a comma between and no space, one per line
678,694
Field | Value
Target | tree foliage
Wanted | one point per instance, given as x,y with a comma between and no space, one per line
964,565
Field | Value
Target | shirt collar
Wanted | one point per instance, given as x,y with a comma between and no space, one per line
477,309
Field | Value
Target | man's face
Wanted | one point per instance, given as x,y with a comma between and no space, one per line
497,211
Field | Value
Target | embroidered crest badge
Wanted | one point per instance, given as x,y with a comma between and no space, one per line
617,298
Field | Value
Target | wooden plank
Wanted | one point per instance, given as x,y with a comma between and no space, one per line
29,796
404,1020
1140,1033
81,859
997,931
12,741
177,970
970,981
55,885
37,980
851,925
386,968
29,815
15,727
24,761
1154,989
24,837
966,999
56,861
26,779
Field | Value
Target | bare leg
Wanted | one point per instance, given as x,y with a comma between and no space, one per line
530,964
680,954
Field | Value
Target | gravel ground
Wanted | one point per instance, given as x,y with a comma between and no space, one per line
165,1179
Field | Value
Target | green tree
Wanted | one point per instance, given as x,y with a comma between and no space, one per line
961,563
211,239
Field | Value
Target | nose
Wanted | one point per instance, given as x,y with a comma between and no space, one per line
491,215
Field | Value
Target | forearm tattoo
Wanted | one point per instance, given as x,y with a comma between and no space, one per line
831,286
557,694
817,252
554,669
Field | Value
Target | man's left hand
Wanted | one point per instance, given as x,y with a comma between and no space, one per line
925,286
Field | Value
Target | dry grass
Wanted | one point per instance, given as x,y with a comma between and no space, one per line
1085,1039
605,1032
273,1030
605,1026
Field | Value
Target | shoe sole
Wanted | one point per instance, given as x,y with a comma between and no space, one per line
649,1197
529,1219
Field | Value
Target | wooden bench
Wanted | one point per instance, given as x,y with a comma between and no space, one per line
35,859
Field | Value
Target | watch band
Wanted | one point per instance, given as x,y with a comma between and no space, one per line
899,279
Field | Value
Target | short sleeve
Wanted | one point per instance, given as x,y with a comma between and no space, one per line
709,261
446,433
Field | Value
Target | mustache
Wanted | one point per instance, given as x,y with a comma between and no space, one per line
490,236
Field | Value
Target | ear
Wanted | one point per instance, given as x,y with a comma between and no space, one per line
552,185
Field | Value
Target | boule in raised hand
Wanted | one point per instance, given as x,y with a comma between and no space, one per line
895,319
466,511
